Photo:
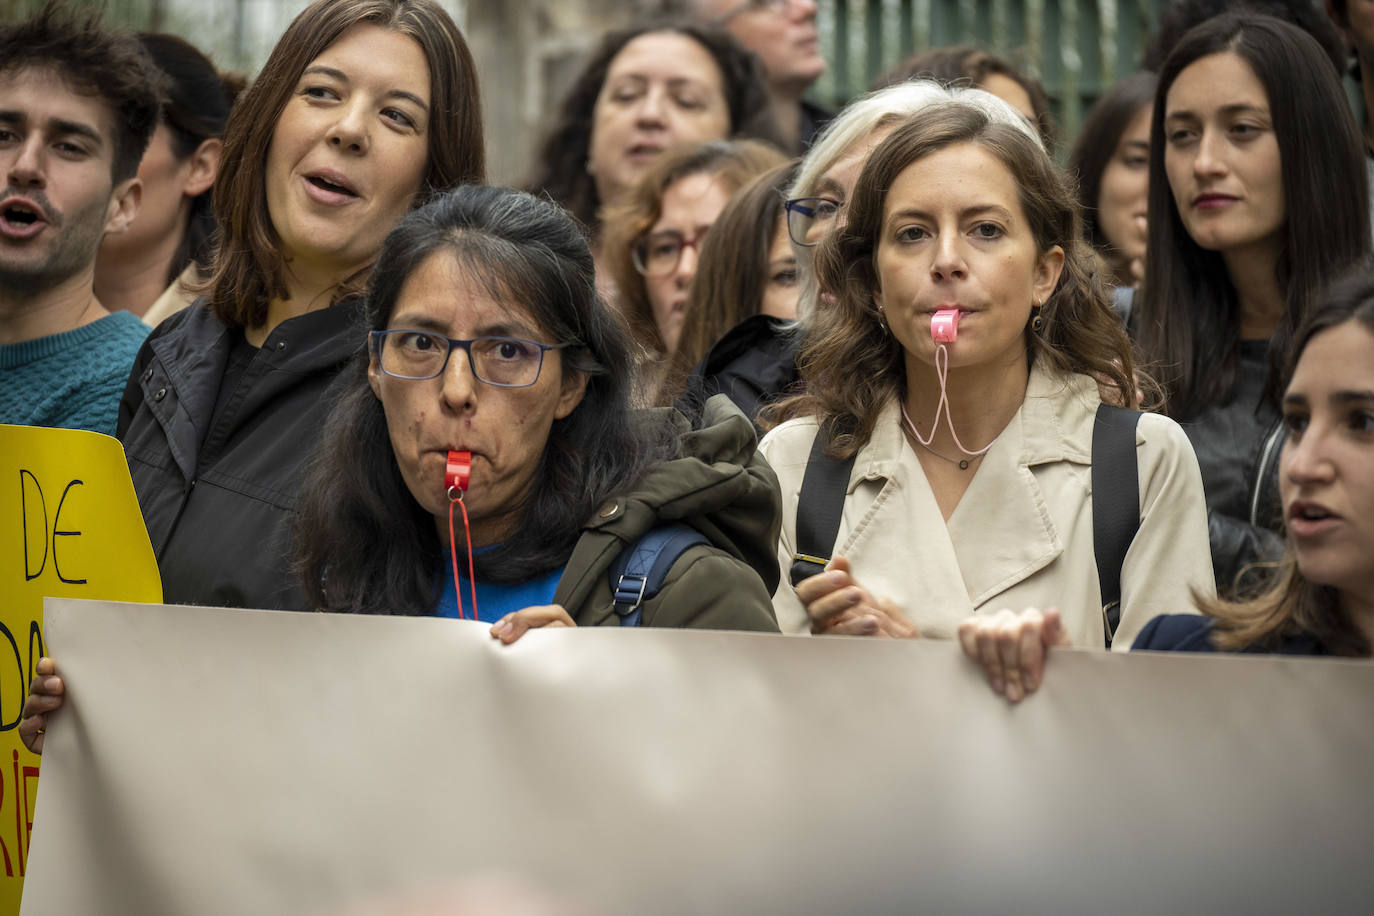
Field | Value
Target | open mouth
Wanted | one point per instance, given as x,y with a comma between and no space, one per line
327,185
19,214
1311,513
20,219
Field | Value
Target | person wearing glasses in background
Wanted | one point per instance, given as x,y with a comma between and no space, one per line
783,34
653,236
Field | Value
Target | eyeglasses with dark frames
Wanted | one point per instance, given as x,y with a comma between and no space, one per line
808,218
658,254
504,362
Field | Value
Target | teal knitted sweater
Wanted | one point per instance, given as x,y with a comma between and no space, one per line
73,380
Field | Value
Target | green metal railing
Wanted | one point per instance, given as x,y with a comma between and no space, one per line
1077,48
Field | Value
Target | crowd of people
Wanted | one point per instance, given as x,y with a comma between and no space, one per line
729,360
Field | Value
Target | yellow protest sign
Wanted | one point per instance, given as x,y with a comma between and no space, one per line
70,527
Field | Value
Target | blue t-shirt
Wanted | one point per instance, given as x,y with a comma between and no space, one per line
496,601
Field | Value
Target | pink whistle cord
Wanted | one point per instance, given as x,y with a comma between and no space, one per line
942,372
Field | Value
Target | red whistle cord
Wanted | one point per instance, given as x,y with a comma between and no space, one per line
453,554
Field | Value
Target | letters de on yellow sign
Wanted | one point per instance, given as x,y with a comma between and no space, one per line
69,528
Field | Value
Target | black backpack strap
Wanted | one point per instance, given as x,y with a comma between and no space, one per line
638,572
819,507
1116,503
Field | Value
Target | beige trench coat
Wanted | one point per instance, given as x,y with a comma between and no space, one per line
1022,535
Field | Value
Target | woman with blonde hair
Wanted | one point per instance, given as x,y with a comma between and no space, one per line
958,368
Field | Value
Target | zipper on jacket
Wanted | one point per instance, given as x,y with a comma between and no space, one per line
1266,456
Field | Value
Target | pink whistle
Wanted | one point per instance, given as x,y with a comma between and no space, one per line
944,326
457,472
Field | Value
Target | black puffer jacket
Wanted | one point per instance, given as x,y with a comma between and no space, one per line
1237,445
218,488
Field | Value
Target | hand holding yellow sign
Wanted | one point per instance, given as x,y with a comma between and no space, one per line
70,527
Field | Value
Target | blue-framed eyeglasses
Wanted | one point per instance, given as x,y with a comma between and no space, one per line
505,362
809,218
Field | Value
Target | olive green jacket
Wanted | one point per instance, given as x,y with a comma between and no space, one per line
718,485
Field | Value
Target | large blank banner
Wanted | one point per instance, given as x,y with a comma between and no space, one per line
225,762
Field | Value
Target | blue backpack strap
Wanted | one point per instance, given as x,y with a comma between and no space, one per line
638,572
1116,503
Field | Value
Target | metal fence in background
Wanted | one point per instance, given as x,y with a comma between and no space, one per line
1077,48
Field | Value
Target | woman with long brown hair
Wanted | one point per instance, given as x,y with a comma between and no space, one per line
364,110
653,237
747,275
958,367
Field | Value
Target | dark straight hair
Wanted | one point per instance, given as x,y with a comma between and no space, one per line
364,543
196,110
1178,17
1187,318
1097,142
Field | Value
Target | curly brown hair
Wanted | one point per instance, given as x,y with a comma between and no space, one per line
852,367
561,171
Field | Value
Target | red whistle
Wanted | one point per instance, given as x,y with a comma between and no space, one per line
944,326
457,473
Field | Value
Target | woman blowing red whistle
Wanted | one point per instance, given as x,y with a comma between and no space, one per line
492,395
488,339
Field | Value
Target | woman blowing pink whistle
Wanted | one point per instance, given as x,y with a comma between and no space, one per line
971,487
